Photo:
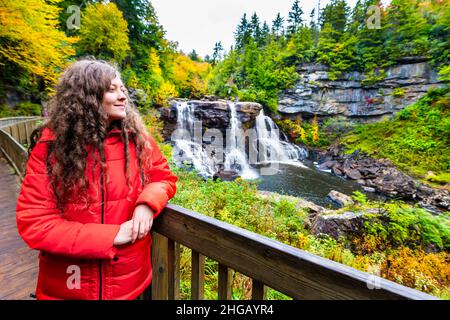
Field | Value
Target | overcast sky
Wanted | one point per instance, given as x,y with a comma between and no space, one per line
199,24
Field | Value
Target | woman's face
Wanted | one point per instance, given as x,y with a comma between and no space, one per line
114,100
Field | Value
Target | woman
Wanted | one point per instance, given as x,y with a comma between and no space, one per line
95,180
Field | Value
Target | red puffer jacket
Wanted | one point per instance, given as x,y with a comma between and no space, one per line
77,258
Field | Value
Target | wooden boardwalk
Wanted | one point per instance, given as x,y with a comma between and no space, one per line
18,263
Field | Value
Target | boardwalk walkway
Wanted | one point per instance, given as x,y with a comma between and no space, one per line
18,263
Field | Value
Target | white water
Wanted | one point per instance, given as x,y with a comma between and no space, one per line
236,157
271,149
187,149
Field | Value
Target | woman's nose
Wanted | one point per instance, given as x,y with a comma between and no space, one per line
121,96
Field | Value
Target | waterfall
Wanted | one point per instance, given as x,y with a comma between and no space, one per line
272,148
264,140
186,147
236,157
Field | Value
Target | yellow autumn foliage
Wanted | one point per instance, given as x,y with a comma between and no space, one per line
104,32
190,77
31,39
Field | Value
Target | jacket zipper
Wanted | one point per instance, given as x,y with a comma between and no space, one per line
102,221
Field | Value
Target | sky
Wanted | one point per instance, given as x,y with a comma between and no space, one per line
199,24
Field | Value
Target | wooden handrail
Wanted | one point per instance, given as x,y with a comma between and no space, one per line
294,272
13,133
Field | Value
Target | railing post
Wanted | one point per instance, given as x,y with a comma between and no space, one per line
159,263
259,290
173,266
225,282
197,276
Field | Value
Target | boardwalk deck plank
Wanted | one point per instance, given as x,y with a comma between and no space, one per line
18,263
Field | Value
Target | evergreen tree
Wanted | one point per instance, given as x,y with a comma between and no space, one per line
194,56
295,19
265,35
277,26
144,31
217,52
406,34
336,14
243,33
255,29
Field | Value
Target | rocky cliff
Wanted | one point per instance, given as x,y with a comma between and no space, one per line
213,113
317,94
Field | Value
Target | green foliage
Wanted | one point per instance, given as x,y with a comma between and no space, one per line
398,93
359,197
402,225
22,109
416,141
344,42
104,32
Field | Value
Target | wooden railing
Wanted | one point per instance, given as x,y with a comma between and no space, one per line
14,132
296,273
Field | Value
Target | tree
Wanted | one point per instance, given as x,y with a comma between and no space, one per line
295,19
265,35
217,52
406,34
243,33
30,43
104,32
194,56
277,26
336,14
144,32
255,29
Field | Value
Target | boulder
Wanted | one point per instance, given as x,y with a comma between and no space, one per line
340,198
338,225
226,175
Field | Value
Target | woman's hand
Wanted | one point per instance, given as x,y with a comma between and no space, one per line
124,234
142,222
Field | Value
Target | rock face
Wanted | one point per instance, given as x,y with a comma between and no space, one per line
213,113
316,94
216,114
381,175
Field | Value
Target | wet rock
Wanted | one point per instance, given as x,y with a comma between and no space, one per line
226,175
340,198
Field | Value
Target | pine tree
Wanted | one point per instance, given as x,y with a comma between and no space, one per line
217,52
277,26
406,34
265,35
295,19
336,14
243,33
255,29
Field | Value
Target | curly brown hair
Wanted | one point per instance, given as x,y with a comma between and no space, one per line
80,124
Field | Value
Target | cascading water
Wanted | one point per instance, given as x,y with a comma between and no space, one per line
188,147
236,157
272,148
